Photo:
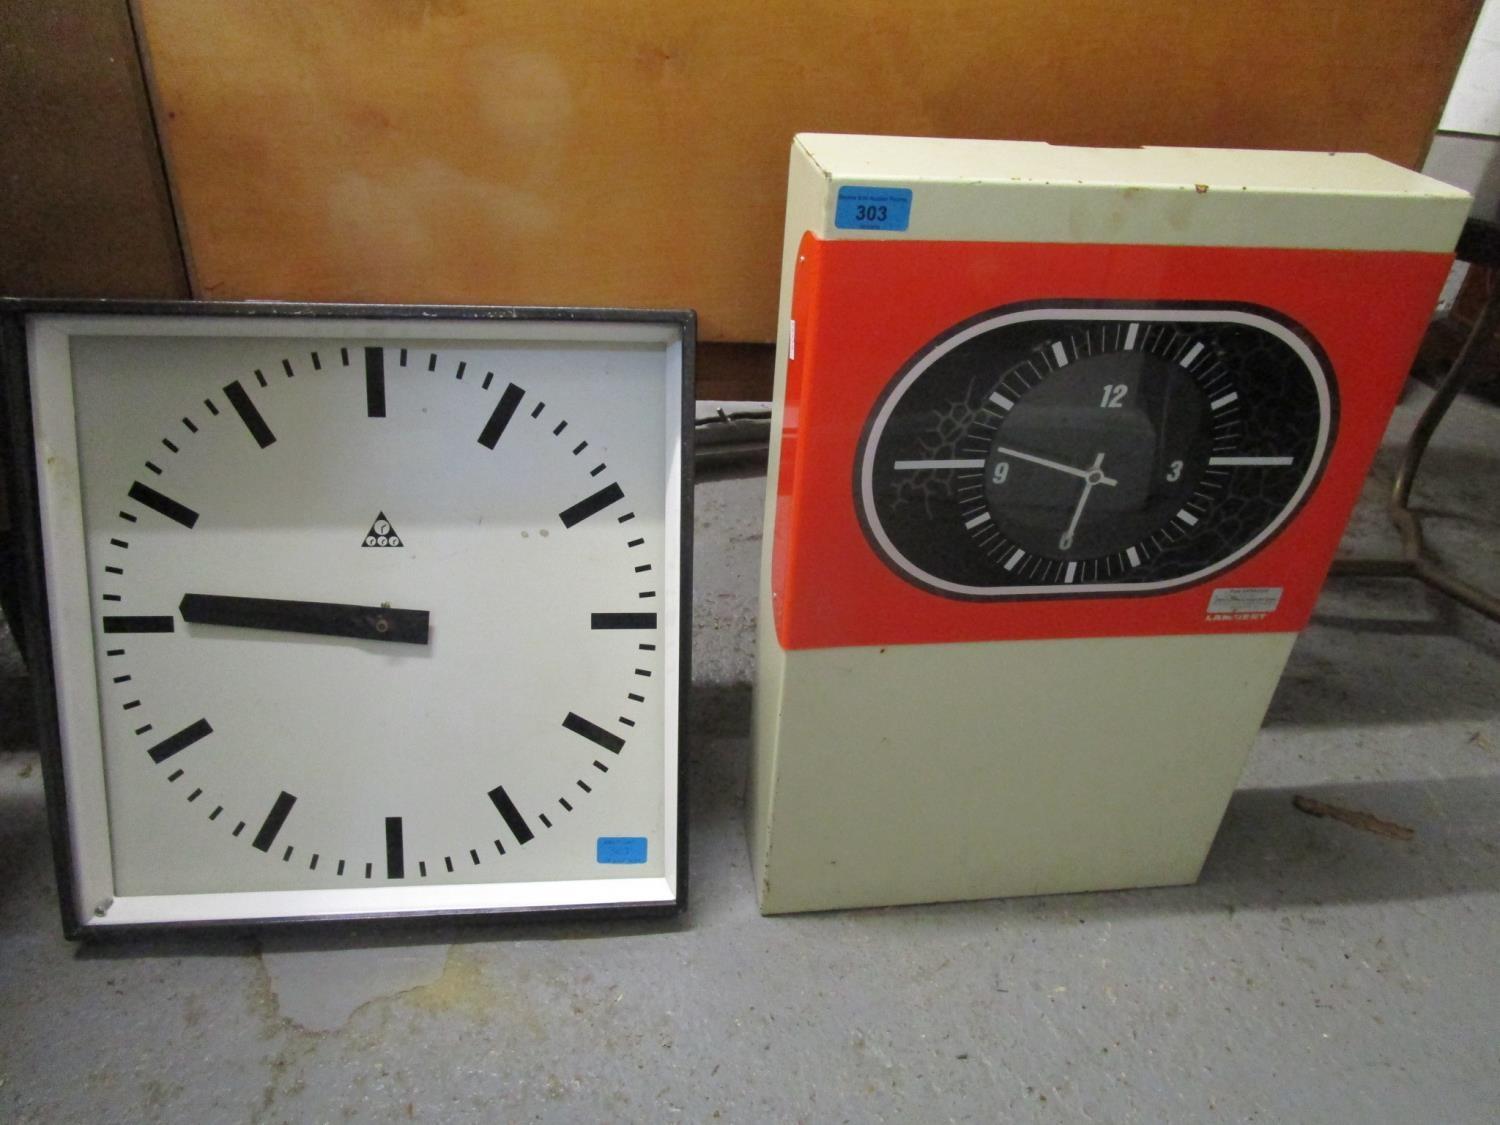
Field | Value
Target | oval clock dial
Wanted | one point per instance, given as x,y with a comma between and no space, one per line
1060,451
377,614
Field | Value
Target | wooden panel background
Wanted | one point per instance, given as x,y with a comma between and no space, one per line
84,209
602,152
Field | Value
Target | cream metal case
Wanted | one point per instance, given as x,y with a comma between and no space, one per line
360,613
1063,441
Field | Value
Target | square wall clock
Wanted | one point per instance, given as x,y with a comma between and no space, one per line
347,612
1064,440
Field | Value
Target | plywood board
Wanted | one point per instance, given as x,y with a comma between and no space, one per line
83,200
605,153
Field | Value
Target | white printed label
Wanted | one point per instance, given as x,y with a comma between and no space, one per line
1243,601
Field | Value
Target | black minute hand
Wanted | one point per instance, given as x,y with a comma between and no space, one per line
325,619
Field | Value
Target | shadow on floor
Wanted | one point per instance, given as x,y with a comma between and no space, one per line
1383,651
17,713
1267,856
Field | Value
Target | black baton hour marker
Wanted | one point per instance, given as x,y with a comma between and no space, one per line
395,849
273,822
591,505
511,815
622,621
500,417
375,382
594,733
180,741
139,624
163,505
249,415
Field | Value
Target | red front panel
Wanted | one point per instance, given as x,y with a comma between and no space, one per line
864,309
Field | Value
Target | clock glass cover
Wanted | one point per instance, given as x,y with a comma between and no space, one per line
1060,450
358,615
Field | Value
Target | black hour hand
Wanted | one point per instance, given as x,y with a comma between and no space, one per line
324,619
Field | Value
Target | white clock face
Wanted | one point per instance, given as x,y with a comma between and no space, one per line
384,606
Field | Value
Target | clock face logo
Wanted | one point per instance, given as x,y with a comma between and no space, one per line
382,534
289,703
1062,450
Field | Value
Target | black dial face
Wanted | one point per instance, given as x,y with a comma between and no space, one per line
1079,450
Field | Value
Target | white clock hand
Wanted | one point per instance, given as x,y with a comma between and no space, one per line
1091,476
1085,474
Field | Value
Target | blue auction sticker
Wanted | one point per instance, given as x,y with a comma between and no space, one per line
873,208
621,849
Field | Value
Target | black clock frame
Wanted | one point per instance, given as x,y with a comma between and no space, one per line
24,559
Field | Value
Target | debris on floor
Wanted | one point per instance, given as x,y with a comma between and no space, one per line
1366,822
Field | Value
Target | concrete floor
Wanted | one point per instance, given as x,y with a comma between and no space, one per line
1316,973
